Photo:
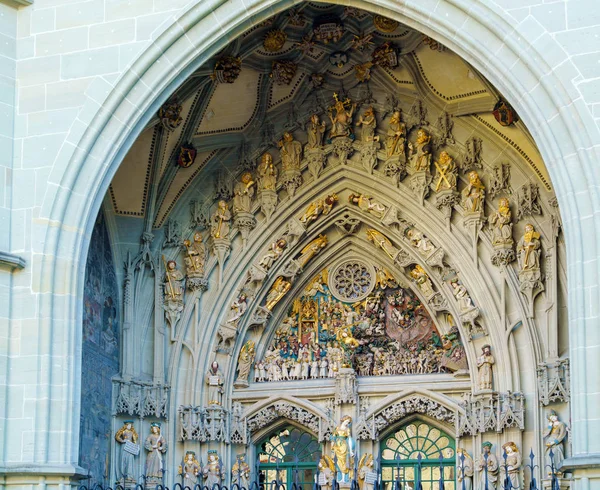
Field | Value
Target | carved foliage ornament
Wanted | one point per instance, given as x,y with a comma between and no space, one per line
227,69
283,409
274,40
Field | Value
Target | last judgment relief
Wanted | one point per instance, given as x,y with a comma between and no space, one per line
387,333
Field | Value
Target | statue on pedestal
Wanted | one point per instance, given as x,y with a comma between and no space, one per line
220,221
343,447
342,120
464,469
156,446
396,136
214,380
366,472
267,184
274,253
369,125
196,256
484,364
316,130
245,360
243,194
513,464
213,471
473,196
127,437
446,173
421,155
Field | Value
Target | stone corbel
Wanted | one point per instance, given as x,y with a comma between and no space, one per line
226,335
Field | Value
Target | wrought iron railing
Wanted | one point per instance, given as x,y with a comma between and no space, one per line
503,475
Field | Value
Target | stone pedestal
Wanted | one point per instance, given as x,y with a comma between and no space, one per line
292,180
342,148
221,247
315,159
419,183
445,201
245,223
268,202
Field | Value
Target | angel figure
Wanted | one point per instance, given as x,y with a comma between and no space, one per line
383,279
189,470
326,472
382,242
369,124
274,253
366,473
367,204
318,208
312,249
474,194
278,290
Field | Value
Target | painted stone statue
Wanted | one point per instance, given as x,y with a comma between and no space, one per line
528,250
343,447
326,472
273,254
214,380
156,446
555,434
127,437
512,465
173,283
366,472
464,469
189,470
321,206
195,256
501,225
484,363
220,221
243,194
395,138
487,467
238,307
245,361
267,173
367,204
473,195
291,152
278,290
446,172
312,249
213,471
421,152
369,125
341,121
316,130
240,472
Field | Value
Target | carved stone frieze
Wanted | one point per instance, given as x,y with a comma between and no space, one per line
370,428
553,381
203,424
136,398
488,412
286,410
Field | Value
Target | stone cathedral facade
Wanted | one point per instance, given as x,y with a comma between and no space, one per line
331,243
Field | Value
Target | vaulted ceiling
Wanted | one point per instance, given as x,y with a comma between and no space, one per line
231,124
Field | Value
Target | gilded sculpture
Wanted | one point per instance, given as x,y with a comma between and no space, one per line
395,139
245,361
316,130
487,467
243,194
240,472
422,279
343,447
341,121
473,195
367,204
267,173
420,242
189,470
312,249
381,241
366,472
195,257
291,152
484,364
501,225
321,206
156,446
127,438
421,152
214,471
278,290
555,434
274,40
173,282
369,125
446,172
326,471
214,379
220,225
513,464
528,250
